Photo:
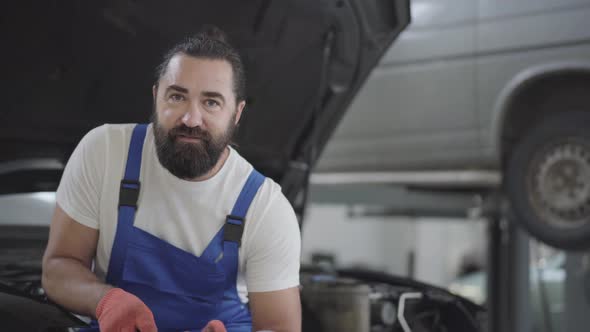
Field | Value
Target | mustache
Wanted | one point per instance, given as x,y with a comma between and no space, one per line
195,132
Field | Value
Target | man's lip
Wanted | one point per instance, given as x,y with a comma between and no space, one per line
188,138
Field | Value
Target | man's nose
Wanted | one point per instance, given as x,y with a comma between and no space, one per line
193,117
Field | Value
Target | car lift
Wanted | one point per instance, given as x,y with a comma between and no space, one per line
465,194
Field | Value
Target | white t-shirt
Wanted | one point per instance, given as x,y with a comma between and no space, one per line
185,214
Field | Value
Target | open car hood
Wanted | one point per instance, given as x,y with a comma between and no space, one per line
75,65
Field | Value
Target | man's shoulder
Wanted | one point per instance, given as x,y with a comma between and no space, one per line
112,135
117,130
107,142
270,197
109,130
243,168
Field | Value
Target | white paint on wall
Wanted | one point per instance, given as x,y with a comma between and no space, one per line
375,243
383,243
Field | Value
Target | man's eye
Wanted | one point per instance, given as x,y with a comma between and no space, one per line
176,97
211,103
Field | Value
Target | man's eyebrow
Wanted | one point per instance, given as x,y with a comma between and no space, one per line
213,94
177,88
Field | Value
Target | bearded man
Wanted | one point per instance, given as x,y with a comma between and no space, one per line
165,226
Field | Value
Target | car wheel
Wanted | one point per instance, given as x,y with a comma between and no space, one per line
548,181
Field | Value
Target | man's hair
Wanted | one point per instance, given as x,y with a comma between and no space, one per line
210,43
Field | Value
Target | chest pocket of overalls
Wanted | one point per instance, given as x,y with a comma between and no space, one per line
178,286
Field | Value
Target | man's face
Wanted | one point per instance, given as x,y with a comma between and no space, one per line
195,114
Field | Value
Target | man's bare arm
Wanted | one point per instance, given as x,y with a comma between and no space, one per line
67,278
278,311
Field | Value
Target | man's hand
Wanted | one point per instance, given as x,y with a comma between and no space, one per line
122,311
214,326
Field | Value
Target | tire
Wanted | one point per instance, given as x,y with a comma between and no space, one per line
547,181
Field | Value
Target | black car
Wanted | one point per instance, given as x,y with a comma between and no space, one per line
72,66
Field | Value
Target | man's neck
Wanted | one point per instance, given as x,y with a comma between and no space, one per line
216,168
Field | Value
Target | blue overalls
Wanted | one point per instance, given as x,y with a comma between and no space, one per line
182,290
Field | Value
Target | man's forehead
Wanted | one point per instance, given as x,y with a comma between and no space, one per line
197,74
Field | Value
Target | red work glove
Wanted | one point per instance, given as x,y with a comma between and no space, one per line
214,326
119,310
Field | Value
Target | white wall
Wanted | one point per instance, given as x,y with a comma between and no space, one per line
372,242
384,243
441,245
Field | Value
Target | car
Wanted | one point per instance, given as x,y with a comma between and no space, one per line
72,66
484,86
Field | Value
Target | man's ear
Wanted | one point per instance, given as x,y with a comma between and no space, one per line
239,110
154,91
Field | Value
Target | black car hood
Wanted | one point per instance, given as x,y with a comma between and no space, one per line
75,65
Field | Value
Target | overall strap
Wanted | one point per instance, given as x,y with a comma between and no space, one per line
128,196
234,225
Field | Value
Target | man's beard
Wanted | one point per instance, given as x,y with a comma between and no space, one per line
189,160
